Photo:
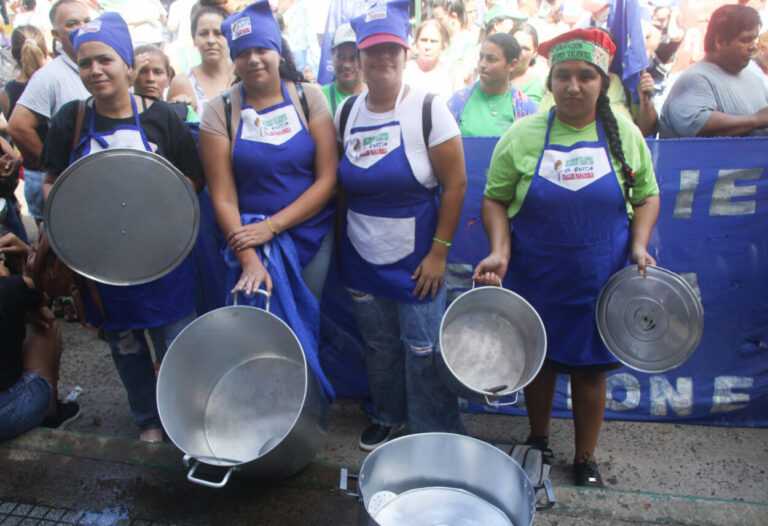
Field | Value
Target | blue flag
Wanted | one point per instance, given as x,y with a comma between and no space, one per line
630,59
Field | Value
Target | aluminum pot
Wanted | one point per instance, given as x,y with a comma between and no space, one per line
443,478
235,393
492,344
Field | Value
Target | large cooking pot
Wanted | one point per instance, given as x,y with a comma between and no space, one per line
235,393
492,344
443,478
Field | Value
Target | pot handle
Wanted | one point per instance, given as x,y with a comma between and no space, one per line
344,482
474,282
547,486
494,403
191,474
259,291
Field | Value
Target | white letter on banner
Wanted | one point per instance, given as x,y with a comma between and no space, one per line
680,399
689,181
631,386
725,190
724,399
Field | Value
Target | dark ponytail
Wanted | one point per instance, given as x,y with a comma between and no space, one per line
611,127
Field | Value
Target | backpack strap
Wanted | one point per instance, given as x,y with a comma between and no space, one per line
227,113
426,118
302,100
346,108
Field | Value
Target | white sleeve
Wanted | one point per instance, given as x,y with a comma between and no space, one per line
444,126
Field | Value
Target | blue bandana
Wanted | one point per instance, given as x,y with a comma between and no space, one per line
254,26
110,29
383,22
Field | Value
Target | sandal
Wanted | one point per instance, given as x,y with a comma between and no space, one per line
542,444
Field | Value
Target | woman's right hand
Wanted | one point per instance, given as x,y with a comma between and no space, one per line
491,270
253,275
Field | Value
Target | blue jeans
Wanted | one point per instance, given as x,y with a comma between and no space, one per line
33,192
24,405
316,270
399,340
130,352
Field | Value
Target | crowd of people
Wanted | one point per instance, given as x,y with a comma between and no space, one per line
371,166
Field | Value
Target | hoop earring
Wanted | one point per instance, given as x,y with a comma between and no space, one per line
282,61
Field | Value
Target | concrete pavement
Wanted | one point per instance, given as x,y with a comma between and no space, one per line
97,473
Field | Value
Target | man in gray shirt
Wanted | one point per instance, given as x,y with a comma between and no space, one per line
719,96
49,89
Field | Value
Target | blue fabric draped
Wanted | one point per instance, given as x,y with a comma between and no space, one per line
291,300
630,59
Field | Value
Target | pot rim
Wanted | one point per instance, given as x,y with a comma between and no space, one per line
482,394
307,379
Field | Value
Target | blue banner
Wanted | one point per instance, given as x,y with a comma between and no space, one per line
712,230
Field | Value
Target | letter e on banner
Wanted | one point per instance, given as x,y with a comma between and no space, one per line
726,189
724,399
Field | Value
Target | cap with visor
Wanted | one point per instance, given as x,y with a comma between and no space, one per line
344,34
384,22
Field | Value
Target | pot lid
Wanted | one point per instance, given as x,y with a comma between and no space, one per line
122,216
652,323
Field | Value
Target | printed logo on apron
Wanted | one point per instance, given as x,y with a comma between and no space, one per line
275,127
122,138
575,169
367,147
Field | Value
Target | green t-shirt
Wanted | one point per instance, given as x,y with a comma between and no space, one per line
487,115
534,89
340,97
517,154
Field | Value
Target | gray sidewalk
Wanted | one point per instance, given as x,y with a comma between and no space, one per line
97,473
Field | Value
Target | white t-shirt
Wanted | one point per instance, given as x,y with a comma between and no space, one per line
52,86
408,113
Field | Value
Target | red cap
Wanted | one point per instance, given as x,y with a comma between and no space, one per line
382,38
598,36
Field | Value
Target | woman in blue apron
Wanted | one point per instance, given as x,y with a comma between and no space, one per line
270,159
114,118
403,190
564,210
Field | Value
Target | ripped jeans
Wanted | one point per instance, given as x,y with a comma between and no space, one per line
130,352
400,339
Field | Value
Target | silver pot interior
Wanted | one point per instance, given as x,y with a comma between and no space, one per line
492,341
443,478
232,385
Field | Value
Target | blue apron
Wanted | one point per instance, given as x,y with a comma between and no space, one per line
570,235
273,162
136,306
390,217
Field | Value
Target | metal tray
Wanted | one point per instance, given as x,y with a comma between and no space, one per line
651,324
122,216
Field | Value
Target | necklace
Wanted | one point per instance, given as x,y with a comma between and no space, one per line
492,106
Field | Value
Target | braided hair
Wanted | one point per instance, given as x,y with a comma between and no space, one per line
611,128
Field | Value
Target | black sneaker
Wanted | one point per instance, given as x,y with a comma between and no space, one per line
66,412
542,444
586,474
376,435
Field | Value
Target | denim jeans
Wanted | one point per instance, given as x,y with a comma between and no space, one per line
399,340
33,193
316,270
24,405
130,352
